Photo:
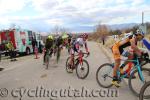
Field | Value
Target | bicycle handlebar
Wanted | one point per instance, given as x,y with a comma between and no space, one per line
83,54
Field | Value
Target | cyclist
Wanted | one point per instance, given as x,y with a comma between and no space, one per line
65,39
118,50
48,46
60,41
76,45
68,46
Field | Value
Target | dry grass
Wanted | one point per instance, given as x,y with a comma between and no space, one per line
110,41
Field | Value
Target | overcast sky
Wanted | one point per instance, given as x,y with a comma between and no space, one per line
77,15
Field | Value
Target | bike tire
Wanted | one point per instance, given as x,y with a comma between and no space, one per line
67,67
143,89
97,75
135,92
77,66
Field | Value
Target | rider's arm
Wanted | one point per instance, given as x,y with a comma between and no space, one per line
134,46
86,47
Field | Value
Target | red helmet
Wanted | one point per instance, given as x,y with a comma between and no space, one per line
85,35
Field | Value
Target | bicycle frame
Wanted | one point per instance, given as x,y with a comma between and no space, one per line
137,66
79,58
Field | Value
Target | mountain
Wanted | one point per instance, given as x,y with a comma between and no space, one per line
122,26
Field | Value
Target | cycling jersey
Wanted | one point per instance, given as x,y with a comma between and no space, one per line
80,41
48,44
118,48
77,44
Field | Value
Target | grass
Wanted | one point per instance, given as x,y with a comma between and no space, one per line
110,41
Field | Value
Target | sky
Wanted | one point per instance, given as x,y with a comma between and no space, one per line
75,15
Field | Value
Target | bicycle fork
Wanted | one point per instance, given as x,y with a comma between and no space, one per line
140,72
141,75
80,60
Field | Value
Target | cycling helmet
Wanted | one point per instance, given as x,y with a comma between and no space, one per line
50,37
85,35
139,32
65,36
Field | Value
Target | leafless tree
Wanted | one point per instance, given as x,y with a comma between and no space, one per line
101,32
58,29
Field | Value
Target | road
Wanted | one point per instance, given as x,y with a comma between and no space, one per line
26,79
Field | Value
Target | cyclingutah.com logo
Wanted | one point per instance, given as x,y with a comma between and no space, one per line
69,92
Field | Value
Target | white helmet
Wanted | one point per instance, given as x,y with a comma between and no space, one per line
139,32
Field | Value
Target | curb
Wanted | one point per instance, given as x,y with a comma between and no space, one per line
106,53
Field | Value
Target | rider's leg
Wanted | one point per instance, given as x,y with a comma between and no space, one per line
72,57
130,57
117,57
44,57
128,63
72,60
51,52
116,66
115,77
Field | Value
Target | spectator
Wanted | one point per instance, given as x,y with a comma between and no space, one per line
0,51
103,39
40,47
34,44
12,53
0,56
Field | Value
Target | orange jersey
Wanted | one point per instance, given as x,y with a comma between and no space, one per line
118,47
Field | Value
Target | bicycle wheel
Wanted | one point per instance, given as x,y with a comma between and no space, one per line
82,71
68,67
136,88
47,61
145,88
104,75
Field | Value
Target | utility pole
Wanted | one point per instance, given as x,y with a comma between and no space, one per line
142,23
142,18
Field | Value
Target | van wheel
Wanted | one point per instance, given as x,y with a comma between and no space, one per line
27,51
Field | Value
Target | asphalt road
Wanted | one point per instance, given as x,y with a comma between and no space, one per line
27,79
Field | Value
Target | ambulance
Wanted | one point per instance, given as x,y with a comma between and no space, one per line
22,39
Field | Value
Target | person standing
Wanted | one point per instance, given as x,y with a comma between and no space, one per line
11,51
0,56
34,44
0,51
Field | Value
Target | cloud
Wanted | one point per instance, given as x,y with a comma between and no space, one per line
7,6
137,2
43,5
73,14
54,22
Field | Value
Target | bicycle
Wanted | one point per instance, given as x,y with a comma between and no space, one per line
135,69
143,90
78,65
